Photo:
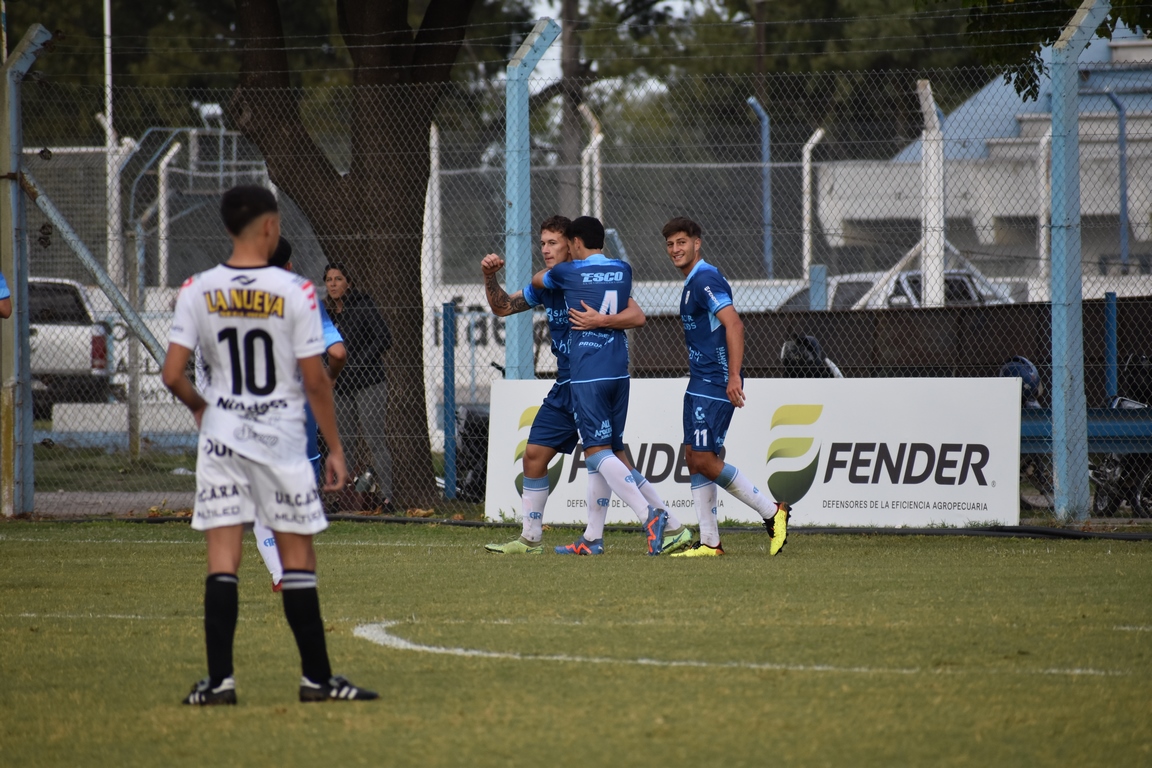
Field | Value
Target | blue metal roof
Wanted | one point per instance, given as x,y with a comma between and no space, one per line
991,113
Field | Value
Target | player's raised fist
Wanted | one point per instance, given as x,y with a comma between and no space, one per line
491,264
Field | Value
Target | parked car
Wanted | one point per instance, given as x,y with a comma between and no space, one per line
69,348
903,289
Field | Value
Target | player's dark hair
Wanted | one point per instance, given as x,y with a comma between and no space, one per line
556,224
589,230
282,255
681,224
335,265
242,205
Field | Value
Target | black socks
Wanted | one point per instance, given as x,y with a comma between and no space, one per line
221,607
302,609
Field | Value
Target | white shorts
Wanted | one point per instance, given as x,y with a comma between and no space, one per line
233,490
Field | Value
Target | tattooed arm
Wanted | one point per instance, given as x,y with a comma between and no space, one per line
498,299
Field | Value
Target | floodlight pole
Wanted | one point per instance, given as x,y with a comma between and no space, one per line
16,481
1069,406
518,359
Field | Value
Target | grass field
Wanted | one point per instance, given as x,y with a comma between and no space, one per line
845,650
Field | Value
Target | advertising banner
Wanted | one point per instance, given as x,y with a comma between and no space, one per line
842,452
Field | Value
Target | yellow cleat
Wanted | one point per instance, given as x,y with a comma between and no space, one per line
778,528
700,549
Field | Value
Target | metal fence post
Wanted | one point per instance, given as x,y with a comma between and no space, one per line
818,288
1122,138
163,219
806,192
1044,217
518,194
765,182
1111,332
591,176
135,280
1069,406
448,311
16,478
931,199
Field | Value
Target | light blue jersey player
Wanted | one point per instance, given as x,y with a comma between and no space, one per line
337,355
714,334
595,288
554,427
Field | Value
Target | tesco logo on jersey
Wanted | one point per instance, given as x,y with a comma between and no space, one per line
603,277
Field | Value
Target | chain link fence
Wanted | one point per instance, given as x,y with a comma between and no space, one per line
405,188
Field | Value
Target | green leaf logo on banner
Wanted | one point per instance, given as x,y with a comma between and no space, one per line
789,486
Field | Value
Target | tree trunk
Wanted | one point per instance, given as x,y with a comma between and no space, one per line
570,132
370,219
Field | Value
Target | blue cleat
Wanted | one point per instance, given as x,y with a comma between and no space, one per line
582,547
654,529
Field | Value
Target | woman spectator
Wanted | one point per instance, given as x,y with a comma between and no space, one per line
361,392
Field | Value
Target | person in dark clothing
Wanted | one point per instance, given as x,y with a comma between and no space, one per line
361,392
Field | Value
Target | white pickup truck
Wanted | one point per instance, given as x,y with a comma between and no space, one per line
69,348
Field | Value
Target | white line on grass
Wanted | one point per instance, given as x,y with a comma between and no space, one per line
1133,629
46,540
104,617
379,634
109,616
200,541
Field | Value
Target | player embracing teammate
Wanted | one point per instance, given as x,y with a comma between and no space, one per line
595,288
554,429
714,334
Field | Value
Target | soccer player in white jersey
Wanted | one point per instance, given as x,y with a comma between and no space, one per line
337,356
714,335
259,330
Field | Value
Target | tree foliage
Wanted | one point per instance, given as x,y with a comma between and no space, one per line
1011,35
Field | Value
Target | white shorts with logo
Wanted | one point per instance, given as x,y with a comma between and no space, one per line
234,490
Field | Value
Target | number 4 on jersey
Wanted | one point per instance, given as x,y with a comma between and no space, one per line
611,303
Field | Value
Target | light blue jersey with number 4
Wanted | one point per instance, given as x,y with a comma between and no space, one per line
605,285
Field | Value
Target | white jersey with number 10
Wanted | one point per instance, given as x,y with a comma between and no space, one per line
252,325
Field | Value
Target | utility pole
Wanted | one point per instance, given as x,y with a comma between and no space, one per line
571,135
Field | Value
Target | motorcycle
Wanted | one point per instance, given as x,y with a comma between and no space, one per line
1037,490
1120,477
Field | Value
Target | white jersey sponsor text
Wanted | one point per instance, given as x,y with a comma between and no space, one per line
251,326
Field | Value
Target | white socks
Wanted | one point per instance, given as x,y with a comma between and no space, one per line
535,497
266,543
704,496
741,487
599,494
620,480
